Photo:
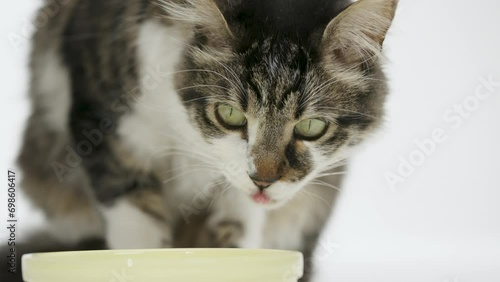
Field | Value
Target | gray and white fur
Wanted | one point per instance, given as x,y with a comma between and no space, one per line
125,142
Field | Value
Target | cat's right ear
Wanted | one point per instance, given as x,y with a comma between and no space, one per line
204,15
356,35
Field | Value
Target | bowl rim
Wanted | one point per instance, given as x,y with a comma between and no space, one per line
167,251
163,264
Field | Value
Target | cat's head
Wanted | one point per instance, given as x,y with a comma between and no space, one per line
280,103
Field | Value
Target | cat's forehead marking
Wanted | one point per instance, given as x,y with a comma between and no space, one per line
276,70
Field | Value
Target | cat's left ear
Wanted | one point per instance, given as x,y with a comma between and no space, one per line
357,34
204,15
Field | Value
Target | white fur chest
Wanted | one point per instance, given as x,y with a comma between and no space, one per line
158,132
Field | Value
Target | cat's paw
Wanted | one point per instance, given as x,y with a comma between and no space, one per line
130,227
224,234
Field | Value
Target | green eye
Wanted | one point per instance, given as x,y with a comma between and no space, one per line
311,128
231,116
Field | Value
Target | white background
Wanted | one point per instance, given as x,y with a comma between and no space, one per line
443,223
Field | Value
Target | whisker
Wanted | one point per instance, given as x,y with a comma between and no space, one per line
316,197
194,157
322,183
202,85
181,174
167,149
331,174
188,150
221,194
208,167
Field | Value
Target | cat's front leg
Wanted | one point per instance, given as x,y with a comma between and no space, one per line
235,221
128,195
137,221
134,211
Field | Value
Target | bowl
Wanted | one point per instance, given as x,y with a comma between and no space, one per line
165,265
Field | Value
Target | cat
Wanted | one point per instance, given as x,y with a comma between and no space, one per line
231,118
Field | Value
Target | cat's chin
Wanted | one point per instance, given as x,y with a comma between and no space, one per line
272,205
267,202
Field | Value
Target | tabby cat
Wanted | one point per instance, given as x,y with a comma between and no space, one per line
202,123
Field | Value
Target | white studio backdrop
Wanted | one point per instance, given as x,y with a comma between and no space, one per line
422,200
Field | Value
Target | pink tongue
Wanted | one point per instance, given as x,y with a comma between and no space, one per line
261,198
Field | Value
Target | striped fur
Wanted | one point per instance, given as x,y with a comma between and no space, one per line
124,121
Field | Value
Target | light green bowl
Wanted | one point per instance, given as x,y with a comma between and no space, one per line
164,265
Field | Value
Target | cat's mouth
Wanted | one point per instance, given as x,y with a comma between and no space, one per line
262,198
265,200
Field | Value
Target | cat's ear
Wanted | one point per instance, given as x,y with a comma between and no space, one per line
356,35
204,15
